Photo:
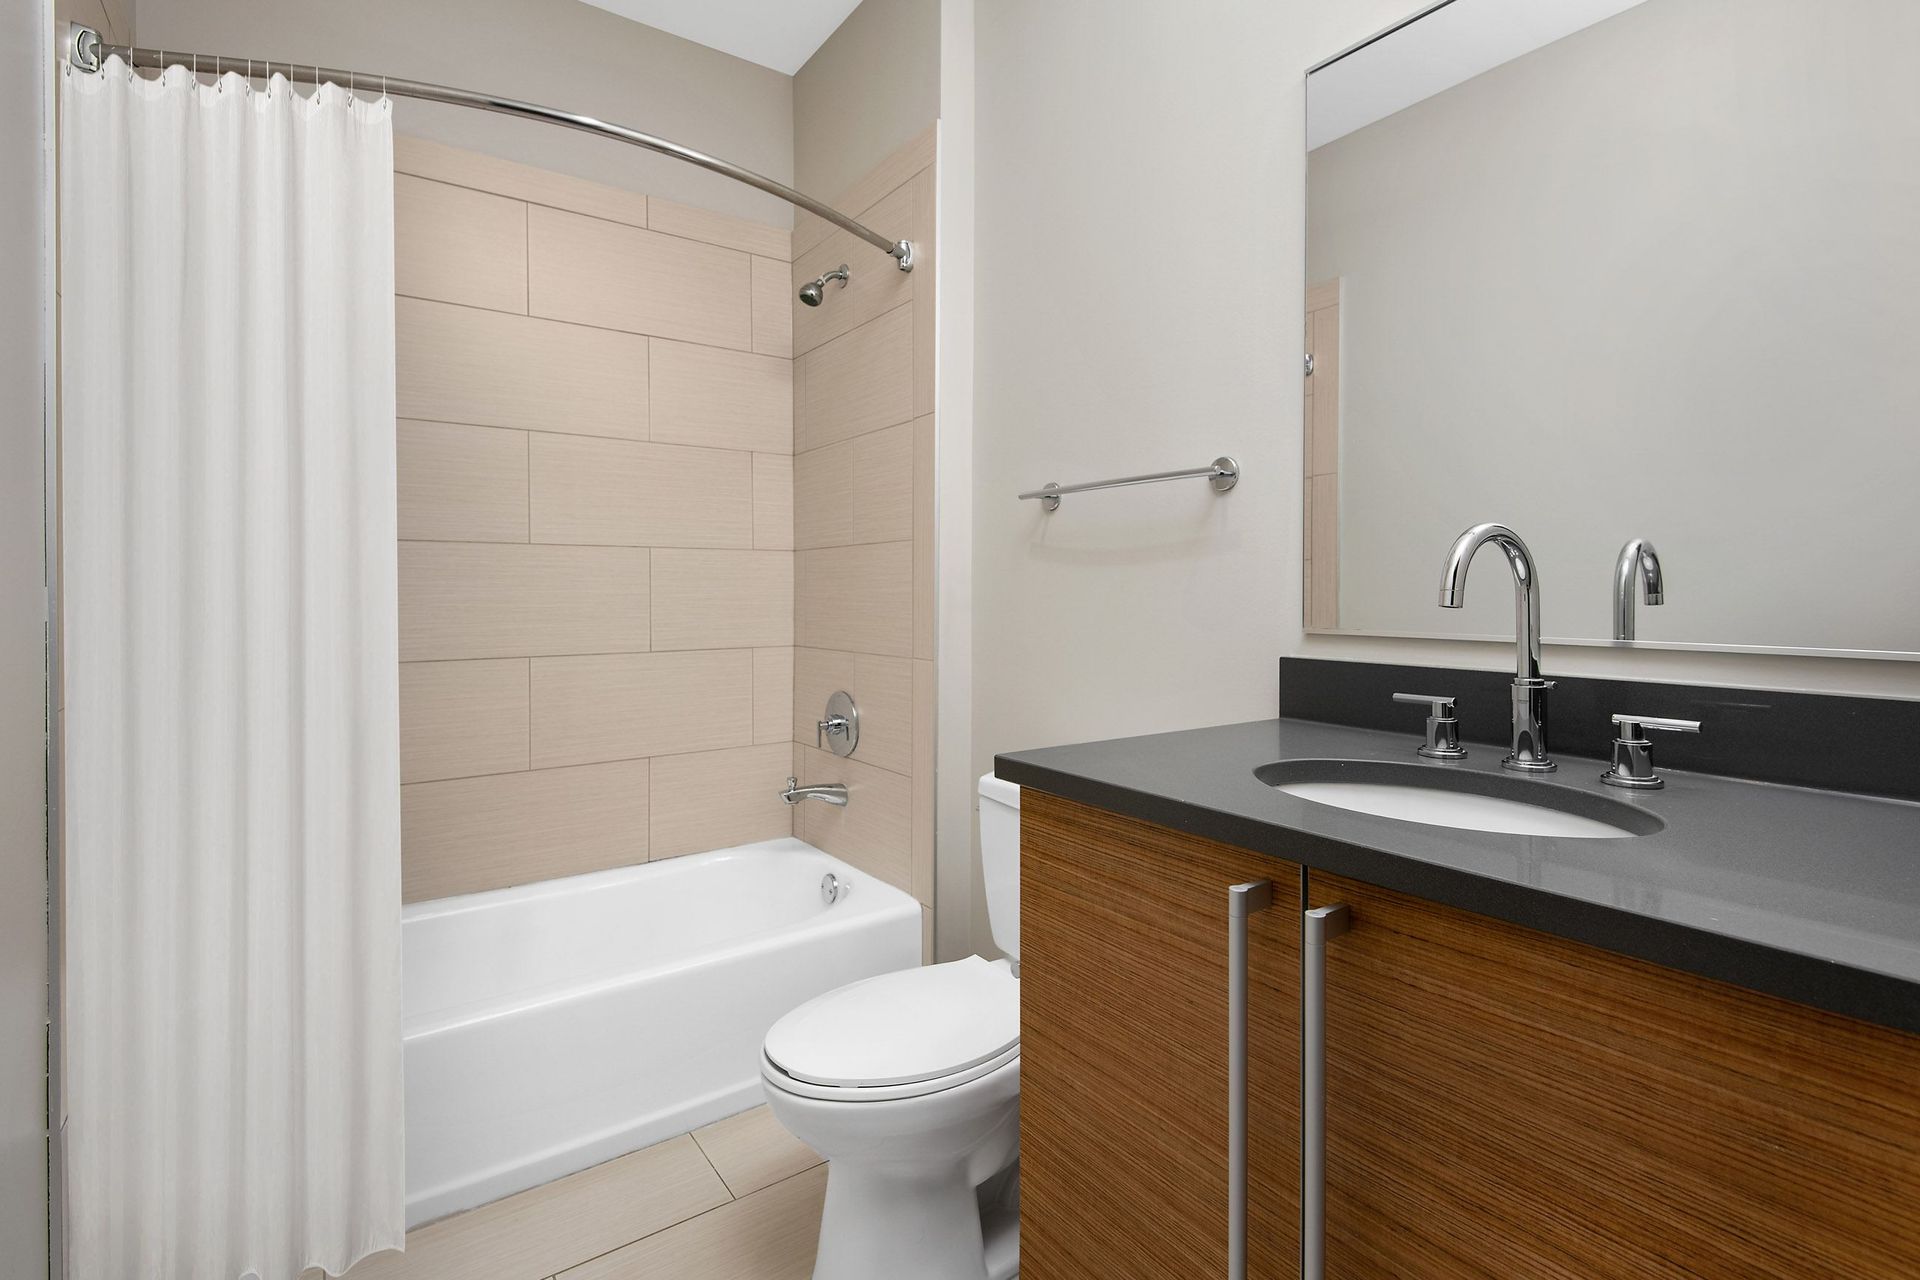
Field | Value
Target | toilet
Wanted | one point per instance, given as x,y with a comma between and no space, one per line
909,1085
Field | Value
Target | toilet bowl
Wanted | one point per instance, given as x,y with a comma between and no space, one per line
909,1085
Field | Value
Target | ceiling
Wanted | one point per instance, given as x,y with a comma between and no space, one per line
1447,47
781,34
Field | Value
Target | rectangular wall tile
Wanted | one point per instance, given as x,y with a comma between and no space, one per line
817,675
723,229
924,696
718,799
876,285
622,706
455,244
925,554
462,364
770,1235
773,501
470,834
867,190
478,600
859,490
589,271
458,719
462,484
855,598
923,293
874,832
721,399
881,687
443,163
752,1150
773,304
634,494
722,599
772,695
855,384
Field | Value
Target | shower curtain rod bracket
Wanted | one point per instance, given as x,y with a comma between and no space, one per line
87,52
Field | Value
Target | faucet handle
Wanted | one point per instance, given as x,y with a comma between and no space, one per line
1632,727
1633,752
1443,729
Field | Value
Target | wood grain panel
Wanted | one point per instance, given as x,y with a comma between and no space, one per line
463,364
722,599
502,600
717,799
635,494
858,490
1506,1103
589,271
855,384
462,484
1123,1088
454,244
470,834
721,399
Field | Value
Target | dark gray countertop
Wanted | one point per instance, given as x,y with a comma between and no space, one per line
1809,895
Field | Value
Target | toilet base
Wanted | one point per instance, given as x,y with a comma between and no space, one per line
887,1222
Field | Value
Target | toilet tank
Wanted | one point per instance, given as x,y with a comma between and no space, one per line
1000,860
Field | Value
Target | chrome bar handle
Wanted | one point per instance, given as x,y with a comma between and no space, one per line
1222,473
1321,924
1242,901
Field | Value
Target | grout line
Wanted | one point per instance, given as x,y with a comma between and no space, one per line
701,1147
602,328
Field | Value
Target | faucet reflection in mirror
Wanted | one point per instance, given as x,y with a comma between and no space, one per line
1529,753
1638,556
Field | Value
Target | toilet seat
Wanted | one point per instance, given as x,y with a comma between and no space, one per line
904,1034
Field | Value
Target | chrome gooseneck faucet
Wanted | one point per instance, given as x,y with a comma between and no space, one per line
1638,556
1529,754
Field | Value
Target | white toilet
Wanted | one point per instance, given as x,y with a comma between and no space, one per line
909,1085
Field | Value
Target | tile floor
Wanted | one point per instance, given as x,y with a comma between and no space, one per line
738,1199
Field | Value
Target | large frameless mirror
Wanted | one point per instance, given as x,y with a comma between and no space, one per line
1641,279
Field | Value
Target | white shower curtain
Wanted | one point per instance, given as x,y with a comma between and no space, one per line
232,799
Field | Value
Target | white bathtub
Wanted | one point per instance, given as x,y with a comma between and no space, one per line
556,1025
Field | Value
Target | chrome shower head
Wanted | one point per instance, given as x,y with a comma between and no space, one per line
815,293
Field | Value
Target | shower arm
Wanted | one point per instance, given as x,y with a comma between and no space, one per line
87,52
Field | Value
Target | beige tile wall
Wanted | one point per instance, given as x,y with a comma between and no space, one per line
596,485
862,495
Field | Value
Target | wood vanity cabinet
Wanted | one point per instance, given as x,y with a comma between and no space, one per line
1500,1103
1123,1051
1506,1103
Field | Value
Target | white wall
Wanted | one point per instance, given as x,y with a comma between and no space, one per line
558,53
25,38
1139,274
1656,279
865,93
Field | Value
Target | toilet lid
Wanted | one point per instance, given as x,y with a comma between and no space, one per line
899,1028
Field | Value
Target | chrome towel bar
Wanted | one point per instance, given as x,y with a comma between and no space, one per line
1222,473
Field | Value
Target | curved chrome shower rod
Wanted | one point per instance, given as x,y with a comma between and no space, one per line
87,52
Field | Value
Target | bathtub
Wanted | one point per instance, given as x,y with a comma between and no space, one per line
556,1025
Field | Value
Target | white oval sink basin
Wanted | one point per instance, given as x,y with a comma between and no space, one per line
1465,801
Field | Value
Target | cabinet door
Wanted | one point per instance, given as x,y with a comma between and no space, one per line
1505,1103
1123,1051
